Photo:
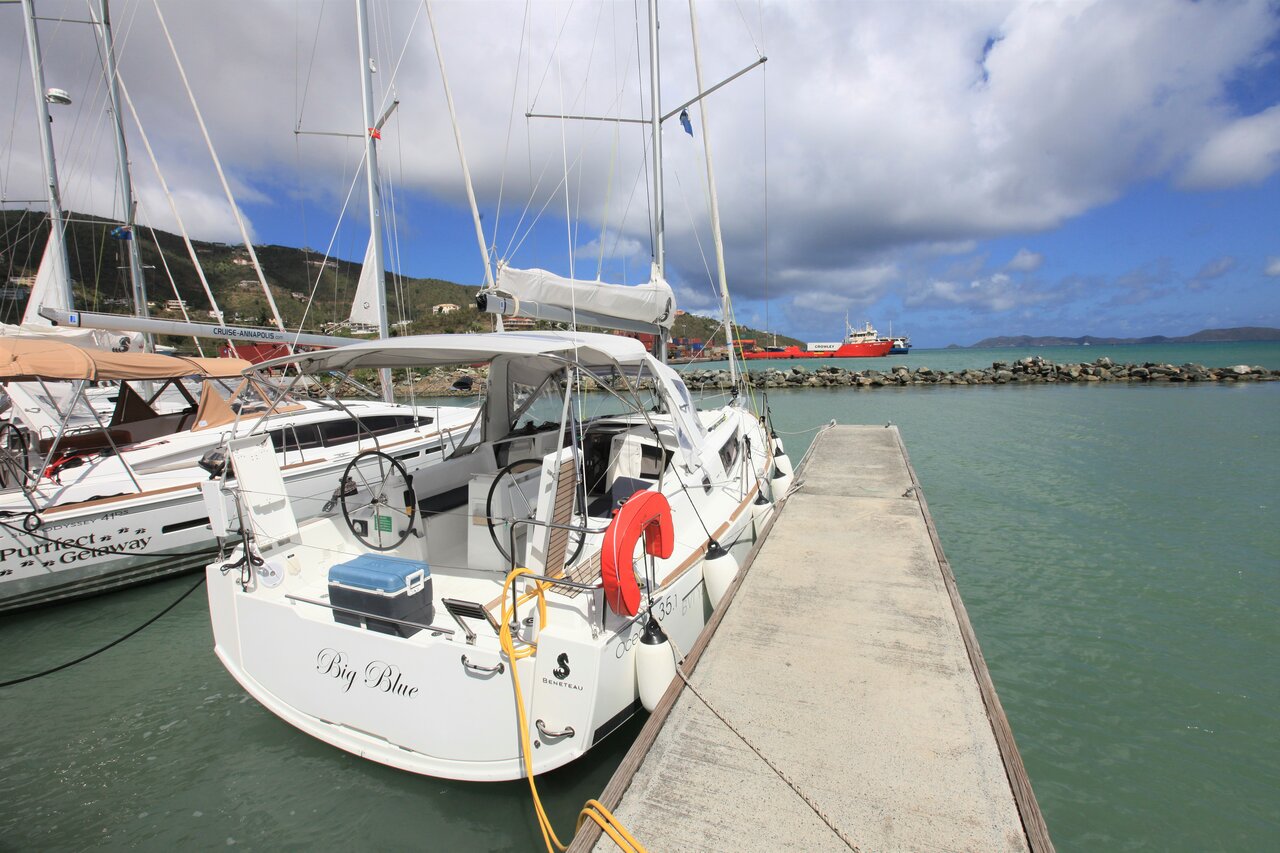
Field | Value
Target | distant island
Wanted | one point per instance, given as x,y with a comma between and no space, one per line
1204,336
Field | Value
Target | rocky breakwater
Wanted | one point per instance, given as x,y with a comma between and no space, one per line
1032,370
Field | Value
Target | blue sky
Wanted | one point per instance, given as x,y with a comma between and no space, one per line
959,169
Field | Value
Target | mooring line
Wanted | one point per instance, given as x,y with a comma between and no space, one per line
97,652
809,801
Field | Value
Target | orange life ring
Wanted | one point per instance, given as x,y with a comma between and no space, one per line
644,512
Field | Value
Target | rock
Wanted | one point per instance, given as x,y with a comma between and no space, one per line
1241,369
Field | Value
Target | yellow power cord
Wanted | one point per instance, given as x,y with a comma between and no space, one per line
592,810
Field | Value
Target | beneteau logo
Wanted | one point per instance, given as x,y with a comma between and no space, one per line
377,675
560,673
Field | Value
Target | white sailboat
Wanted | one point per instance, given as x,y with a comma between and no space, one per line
497,615
89,509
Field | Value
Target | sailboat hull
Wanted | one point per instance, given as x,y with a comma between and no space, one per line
441,703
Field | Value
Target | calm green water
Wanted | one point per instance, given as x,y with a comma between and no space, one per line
1117,548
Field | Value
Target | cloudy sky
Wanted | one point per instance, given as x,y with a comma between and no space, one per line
956,169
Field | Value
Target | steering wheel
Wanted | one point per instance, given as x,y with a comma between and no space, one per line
378,515
15,459
500,528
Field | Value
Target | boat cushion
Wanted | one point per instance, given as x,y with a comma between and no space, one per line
381,573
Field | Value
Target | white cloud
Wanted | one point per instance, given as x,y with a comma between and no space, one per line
1025,261
890,134
1273,266
996,292
615,246
1246,151
1212,270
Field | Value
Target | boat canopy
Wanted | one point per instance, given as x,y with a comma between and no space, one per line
27,359
525,358
542,295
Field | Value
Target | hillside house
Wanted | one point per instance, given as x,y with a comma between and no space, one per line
445,308
513,323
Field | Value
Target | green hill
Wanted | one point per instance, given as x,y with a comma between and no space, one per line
100,282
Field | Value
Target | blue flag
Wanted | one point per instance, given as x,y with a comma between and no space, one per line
122,232
684,121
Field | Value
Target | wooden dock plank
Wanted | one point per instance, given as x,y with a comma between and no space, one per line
848,706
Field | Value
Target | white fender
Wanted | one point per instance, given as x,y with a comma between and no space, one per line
718,571
655,665
779,480
780,460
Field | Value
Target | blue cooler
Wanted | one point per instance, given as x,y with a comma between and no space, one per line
381,585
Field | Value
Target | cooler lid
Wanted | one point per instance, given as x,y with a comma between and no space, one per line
377,572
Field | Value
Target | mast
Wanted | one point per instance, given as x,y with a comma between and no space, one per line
655,109
56,250
136,279
375,254
715,203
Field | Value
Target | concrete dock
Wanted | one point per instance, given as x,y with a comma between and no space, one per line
838,699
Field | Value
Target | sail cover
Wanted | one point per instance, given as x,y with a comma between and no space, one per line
546,296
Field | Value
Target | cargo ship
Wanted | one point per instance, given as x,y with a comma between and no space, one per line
858,343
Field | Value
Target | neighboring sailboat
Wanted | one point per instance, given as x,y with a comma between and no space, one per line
71,473
67,494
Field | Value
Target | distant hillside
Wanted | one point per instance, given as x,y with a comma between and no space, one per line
709,330
100,282
1240,333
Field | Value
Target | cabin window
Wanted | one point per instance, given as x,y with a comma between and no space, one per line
536,407
729,452
347,431
292,438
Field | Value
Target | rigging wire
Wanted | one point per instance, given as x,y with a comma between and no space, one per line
235,208
173,207
696,238
511,118
182,304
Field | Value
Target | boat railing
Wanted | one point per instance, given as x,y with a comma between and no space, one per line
434,629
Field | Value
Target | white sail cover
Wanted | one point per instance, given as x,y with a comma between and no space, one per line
364,308
546,296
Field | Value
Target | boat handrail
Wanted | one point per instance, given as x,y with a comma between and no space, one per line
432,628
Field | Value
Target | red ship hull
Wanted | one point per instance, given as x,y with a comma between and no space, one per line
869,349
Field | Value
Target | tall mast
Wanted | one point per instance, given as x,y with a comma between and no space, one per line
136,279
715,203
375,192
655,109
56,252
